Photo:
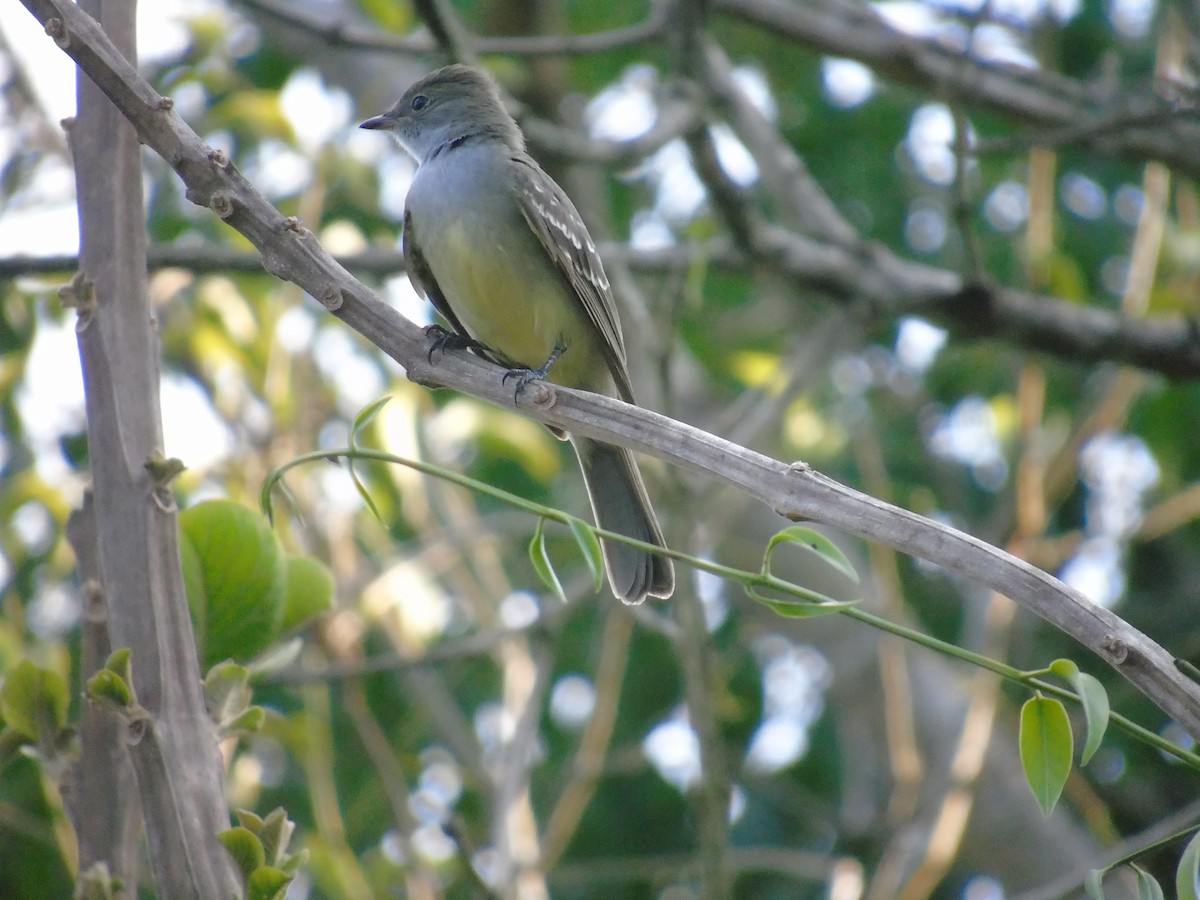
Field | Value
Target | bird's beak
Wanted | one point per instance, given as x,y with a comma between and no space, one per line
379,123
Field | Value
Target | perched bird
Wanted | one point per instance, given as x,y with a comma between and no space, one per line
501,252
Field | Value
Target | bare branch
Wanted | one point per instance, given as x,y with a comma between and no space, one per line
172,742
336,32
1136,124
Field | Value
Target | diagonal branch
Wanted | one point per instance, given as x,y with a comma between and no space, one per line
795,491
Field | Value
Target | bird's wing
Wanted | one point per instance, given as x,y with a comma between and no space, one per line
422,278
553,218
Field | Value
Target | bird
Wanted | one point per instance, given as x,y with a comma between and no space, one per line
501,252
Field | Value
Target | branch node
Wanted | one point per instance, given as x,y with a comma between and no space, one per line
164,499
164,470
540,393
294,225
78,294
221,203
1117,649
332,299
139,724
58,31
166,103
217,157
94,609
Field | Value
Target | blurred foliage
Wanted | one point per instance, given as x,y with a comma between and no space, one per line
395,739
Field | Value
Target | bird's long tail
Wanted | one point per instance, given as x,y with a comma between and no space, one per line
620,504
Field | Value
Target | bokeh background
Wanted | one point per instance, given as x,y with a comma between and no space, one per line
452,727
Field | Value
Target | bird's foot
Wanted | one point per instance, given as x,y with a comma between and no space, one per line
442,339
522,376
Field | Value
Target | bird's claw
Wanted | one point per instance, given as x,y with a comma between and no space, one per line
443,339
523,376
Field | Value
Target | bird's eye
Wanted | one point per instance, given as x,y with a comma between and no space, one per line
420,102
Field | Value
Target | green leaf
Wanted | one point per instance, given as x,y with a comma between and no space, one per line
823,607
1092,883
361,421
1095,704
241,580
277,658
249,820
1096,710
1148,886
589,546
541,561
293,862
308,592
813,542
267,883
1188,872
248,721
276,832
34,701
108,688
366,416
121,662
245,848
226,691
1046,748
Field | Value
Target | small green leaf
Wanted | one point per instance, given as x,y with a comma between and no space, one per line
1094,698
121,662
813,542
108,688
1046,748
276,832
34,700
249,820
1096,709
1092,883
226,691
541,561
245,848
277,658
267,883
366,416
359,486
293,862
1065,669
1148,886
1188,873
800,610
589,546
361,421
248,721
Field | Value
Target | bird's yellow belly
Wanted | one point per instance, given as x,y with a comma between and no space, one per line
511,299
